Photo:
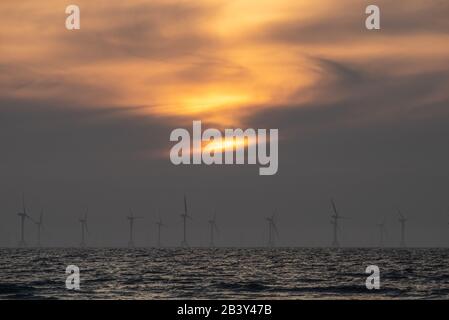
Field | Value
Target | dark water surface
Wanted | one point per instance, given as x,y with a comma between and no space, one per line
225,273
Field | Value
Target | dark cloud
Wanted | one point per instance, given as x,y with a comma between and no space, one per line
51,137
357,95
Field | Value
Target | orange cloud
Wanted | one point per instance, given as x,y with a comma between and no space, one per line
213,60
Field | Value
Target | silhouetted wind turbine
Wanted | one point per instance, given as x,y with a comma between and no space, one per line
184,218
382,232
83,222
335,218
159,226
39,225
23,215
272,230
213,227
131,219
402,221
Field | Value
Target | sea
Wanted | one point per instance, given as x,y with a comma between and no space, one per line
224,273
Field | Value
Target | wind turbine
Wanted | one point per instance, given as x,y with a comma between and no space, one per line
159,226
402,221
184,218
382,232
23,215
83,222
131,219
39,225
334,221
213,227
272,230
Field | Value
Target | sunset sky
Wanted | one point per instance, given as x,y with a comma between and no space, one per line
363,116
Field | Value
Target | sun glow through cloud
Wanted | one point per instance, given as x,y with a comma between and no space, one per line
226,144
211,60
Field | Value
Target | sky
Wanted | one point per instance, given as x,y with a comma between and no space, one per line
86,116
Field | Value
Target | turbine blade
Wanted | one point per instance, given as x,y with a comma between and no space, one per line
185,204
29,217
400,214
334,208
23,203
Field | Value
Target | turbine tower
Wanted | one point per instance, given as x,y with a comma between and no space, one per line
382,232
39,225
84,230
402,221
184,219
23,216
334,221
272,230
213,227
131,219
159,226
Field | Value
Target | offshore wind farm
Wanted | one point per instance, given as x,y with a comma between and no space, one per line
332,272
271,238
266,271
